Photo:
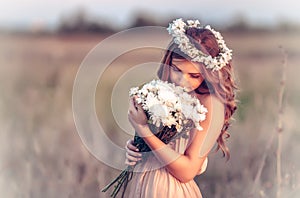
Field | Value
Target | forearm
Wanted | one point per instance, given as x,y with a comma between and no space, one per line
182,166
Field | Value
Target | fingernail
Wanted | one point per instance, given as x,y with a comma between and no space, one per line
137,149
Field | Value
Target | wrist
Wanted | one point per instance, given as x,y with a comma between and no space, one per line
143,130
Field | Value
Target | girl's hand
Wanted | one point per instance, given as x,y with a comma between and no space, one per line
136,115
132,154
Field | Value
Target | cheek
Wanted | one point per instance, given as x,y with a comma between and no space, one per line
195,83
174,77
192,82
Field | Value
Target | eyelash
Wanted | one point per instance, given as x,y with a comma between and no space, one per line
195,76
176,69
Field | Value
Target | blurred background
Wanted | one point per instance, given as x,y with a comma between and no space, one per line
43,43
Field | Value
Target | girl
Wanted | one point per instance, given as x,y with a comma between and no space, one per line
198,59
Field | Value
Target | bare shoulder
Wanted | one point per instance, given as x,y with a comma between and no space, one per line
212,125
202,141
215,112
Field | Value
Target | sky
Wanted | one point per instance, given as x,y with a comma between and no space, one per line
24,13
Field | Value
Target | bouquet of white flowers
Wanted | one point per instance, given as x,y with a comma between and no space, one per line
171,112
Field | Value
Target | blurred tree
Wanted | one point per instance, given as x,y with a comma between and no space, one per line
285,25
79,22
239,24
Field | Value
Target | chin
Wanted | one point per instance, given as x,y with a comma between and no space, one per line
189,90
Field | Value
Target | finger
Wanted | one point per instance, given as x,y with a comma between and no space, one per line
131,107
136,104
133,153
131,149
130,163
131,158
139,108
130,146
134,100
130,141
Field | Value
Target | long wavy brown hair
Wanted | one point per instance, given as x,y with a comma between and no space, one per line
221,83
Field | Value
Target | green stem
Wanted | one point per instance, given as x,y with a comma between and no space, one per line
122,179
114,181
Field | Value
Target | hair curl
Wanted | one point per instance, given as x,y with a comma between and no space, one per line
220,83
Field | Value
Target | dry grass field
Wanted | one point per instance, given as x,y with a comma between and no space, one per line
42,155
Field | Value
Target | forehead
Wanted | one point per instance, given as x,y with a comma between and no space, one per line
186,66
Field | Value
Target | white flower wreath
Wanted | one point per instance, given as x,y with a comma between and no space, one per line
178,30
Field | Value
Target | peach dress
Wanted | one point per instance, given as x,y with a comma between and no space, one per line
152,180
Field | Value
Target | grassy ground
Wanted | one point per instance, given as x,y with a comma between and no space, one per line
42,155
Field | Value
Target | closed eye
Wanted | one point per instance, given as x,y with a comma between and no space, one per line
195,75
